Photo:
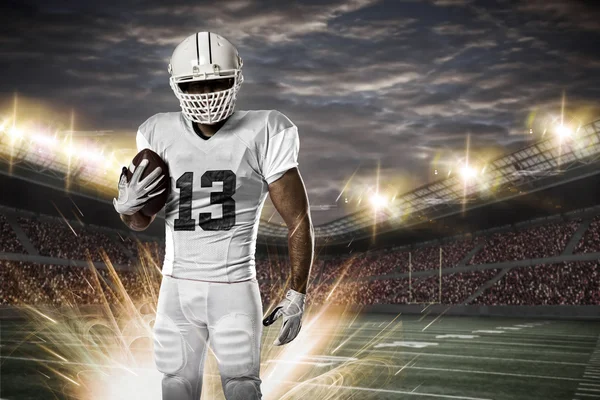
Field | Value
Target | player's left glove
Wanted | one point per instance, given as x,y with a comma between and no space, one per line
291,308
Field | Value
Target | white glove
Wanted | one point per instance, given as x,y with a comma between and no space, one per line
292,308
133,195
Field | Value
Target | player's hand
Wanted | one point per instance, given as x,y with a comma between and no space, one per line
134,194
291,308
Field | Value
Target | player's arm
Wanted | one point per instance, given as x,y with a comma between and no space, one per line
289,197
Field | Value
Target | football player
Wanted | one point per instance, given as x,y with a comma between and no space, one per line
223,163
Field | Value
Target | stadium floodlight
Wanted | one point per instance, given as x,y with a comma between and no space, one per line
109,162
15,133
49,141
92,155
467,172
70,150
378,201
563,132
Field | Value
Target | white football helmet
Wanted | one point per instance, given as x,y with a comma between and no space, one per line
206,56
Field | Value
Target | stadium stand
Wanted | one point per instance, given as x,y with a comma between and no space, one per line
558,284
64,240
590,243
536,242
9,243
377,277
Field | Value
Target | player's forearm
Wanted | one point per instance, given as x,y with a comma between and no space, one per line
301,246
138,221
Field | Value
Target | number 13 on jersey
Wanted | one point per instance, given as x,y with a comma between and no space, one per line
185,183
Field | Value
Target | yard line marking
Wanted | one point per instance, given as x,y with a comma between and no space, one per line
359,337
450,355
507,336
467,371
448,341
443,396
525,336
299,383
478,357
494,373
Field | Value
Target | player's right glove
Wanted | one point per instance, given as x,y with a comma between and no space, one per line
134,194
291,308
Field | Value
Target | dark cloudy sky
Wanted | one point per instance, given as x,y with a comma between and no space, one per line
397,84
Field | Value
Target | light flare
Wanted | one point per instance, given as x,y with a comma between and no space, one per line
110,347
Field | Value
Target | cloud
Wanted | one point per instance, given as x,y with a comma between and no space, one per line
576,15
397,84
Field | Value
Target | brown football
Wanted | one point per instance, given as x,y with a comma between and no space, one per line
154,205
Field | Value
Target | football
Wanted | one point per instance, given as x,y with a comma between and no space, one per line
154,205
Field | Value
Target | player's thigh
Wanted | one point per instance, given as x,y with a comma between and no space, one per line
235,313
179,345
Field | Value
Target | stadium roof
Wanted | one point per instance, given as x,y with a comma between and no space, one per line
523,170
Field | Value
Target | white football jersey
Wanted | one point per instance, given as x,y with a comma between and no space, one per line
218,188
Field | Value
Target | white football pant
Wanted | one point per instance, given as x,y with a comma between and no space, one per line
190,315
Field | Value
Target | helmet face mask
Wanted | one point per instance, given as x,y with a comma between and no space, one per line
202,58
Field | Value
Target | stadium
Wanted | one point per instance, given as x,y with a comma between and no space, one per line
484,284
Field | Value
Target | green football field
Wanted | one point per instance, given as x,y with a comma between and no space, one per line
356,357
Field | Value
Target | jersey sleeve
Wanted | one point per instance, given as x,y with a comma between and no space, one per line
144,138
282,149
141,141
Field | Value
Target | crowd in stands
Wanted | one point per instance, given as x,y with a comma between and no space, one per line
555,284
454,289
362,279
362,265
426,258
399,261
61,239
134,246
57,285
9,243
537,242
64,285
590,242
